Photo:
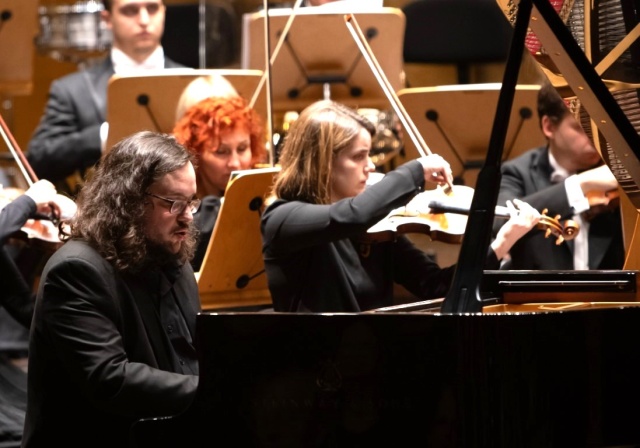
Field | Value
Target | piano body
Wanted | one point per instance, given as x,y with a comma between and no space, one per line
507,359
408,379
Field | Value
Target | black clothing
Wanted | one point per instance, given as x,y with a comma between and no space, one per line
314,261
15,293
100,355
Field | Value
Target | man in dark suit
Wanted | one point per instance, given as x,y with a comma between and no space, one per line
68,139
112,332
558,177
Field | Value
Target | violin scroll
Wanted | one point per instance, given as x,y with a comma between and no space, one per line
565,231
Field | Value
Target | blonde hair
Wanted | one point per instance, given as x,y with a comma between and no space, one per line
323,130
209,86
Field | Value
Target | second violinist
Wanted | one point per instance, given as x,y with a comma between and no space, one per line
322,206
561,176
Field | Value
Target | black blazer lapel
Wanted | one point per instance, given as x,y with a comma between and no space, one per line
96,83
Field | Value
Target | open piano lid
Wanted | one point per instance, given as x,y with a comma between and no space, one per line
622,154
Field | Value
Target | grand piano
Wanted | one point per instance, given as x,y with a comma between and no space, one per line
506,359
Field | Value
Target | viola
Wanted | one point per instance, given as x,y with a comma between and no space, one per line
443,217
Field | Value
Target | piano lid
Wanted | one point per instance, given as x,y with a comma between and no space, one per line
592,54
622,153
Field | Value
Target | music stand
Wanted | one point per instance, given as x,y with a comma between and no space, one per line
232,273
455,122
149,101
320,53
18,29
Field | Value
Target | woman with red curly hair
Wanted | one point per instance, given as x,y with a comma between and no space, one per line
226,135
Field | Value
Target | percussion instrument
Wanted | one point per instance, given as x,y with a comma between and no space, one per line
73,32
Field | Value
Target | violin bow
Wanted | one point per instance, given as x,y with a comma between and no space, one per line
18,155
403,115
269,61
22,162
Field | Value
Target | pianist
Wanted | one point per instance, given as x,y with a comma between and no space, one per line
112,334
313,259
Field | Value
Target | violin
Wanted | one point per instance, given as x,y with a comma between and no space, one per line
443,217
44,228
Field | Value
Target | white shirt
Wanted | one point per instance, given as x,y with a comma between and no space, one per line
123,64
579,203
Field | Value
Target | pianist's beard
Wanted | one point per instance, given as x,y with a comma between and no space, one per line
159,253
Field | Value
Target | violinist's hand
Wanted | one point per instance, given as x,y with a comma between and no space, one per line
44,194
436,169
597,179
523,218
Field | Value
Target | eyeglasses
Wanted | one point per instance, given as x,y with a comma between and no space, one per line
178,206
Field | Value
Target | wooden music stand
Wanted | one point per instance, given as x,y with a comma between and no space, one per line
18,29
455,122
232,273
149,101
319,51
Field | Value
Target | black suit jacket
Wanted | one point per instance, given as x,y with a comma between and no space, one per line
98,355
528,178
67,138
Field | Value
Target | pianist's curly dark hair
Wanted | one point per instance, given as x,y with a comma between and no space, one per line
111,205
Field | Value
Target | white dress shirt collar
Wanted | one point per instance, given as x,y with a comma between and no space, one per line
123,64
559,173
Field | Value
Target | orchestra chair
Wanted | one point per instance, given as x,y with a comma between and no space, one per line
462,35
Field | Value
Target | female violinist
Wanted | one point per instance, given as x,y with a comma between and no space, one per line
322,205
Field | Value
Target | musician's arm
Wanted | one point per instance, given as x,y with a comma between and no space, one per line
61,143
16,294
291,226
14,215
